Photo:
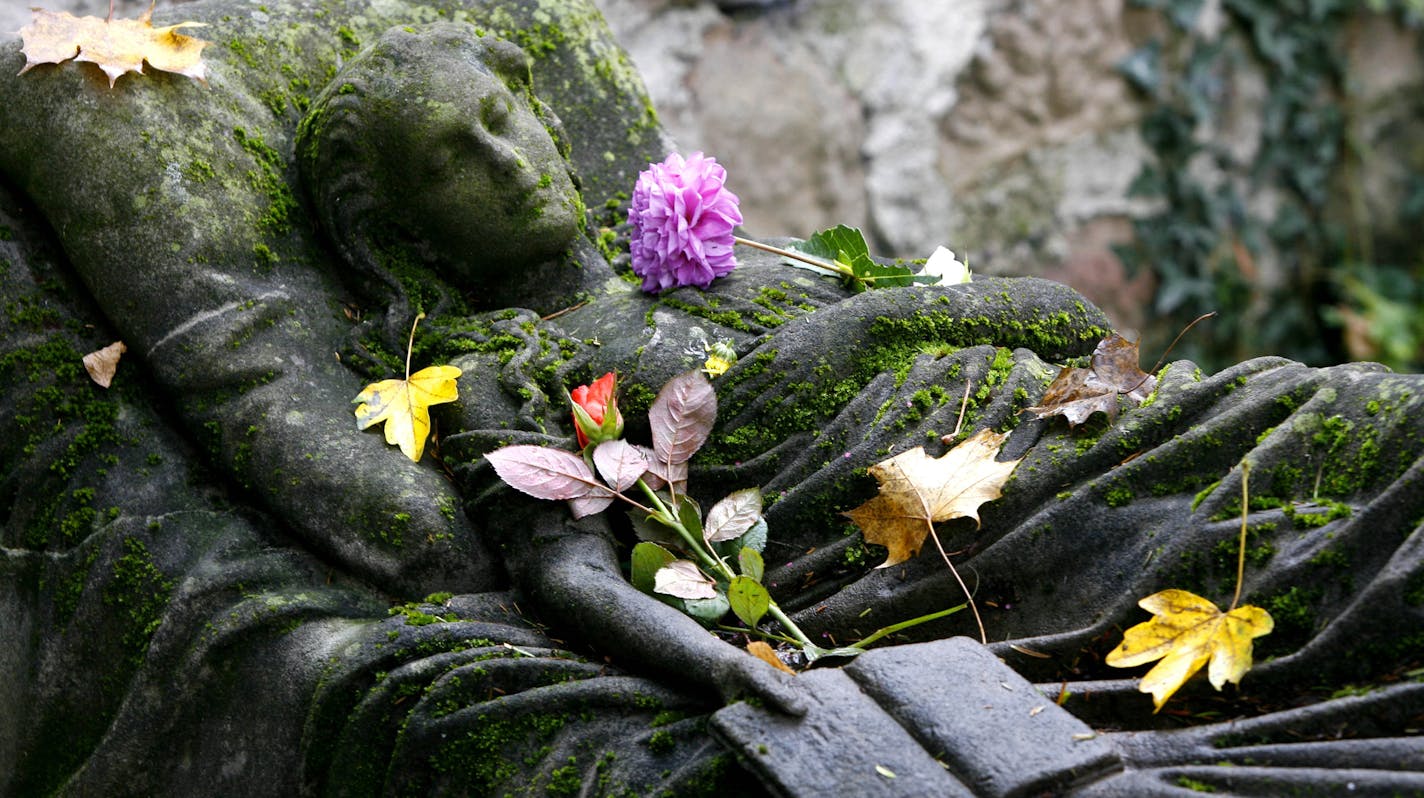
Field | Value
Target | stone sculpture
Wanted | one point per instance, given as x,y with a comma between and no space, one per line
214,583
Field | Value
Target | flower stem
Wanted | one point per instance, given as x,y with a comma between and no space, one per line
789,625
896,627
714,563
1241,549
794,255
670,519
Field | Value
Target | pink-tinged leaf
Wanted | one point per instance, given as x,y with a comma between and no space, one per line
545,473
619,463
654,476
589,505
684,580
733,516
661,474
682,417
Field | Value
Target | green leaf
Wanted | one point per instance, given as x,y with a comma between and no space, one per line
750,563
652,528
691,517
648,558
749,600
708,611
846,246
814,653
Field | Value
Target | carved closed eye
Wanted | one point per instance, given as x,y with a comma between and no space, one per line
495,114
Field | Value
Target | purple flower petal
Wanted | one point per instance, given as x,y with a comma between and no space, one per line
682,217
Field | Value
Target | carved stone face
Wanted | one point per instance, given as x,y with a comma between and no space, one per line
483,182
437,129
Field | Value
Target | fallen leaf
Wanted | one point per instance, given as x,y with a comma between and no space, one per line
1077,393
917,490
102,363
765,653
684,580
403,404
116,46
1188,631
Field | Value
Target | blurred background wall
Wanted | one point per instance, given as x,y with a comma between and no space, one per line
1260,158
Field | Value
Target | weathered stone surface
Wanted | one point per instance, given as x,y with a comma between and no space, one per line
960,702
844,745
209,574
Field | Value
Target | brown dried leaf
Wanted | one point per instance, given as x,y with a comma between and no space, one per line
765,653
102,363
917,490
1077,393
116,46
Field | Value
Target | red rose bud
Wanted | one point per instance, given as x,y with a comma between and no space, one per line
596,415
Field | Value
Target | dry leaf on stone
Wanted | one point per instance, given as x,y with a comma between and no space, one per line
403,406
767,654
116,46
1077,393
1188,631
102,363
917,490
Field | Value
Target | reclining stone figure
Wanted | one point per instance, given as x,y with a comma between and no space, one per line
215,583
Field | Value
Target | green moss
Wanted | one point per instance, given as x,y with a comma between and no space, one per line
487,757
567,780
661,742
1321,514
1118,496
1194,785
138,592
269,180
1414,590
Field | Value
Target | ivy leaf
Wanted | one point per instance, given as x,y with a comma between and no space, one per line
117,46
402,405
546,473
683,579
733,516
619,463
749,599
1187,632
917,490
681,418
1077,393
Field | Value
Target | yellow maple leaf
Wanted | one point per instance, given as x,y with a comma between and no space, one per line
917,490
403,404
1188,631
115,45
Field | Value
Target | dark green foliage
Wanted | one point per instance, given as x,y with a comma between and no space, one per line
1339,264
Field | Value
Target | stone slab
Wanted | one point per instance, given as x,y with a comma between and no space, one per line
995,730
844,745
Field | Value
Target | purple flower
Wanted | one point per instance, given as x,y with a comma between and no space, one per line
682,218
